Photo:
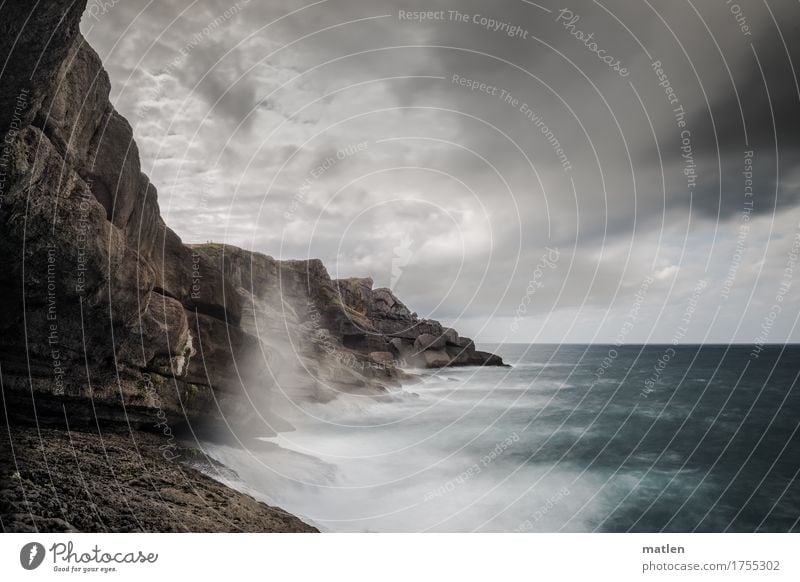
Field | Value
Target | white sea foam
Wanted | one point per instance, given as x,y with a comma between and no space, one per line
425,463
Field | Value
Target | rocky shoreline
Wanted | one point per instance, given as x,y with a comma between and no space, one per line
127,328
54,480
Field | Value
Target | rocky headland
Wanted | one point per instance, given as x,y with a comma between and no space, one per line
111,322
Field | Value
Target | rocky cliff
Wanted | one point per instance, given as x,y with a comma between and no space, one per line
109,317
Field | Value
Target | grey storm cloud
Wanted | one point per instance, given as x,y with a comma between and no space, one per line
488,137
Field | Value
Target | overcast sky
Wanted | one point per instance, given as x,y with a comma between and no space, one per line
522,171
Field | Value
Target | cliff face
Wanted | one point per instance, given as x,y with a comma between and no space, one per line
98,290
374,319
108,315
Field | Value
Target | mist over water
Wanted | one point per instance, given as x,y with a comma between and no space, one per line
572,438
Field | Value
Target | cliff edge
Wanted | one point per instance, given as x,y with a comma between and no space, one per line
109,318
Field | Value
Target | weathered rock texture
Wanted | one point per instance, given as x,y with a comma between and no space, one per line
89,482
376,320
109,317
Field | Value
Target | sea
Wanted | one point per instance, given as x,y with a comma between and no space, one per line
570,438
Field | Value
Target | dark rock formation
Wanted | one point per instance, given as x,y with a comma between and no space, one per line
104,302
376,320
360,319
109,317
109,321
120,483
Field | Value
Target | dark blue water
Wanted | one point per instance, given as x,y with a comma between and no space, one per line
572,438
707,436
